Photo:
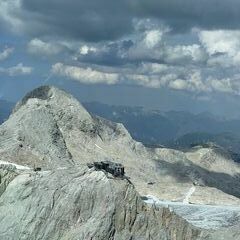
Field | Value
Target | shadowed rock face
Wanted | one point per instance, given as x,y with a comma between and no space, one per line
50,129
42,93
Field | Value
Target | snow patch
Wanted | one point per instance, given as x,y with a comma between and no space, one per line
203,216
98,146
19,167
189,194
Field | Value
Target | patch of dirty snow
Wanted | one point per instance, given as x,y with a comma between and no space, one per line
203,216
19,167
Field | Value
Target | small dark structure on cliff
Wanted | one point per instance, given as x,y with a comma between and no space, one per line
37,169
116,169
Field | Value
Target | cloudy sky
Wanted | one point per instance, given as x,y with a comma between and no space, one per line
167,54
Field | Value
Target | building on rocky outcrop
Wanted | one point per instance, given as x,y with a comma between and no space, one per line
116,169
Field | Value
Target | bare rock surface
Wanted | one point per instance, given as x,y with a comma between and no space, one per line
78,203
50,129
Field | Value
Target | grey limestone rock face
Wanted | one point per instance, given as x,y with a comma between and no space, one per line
78,203
7,174
50,129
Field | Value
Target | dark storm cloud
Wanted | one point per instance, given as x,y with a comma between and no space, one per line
96,20
185,14
87,20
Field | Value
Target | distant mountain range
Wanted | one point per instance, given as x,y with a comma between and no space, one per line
227,140
174,129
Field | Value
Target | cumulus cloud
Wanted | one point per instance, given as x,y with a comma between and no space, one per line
147,45
193,82
147,75
151,80
220,41
153,68
84,75
42,48
153,45
183,54
85,49
150,43
17,70
222,85
225,85
6,53
92,75
179,84
107,53
196,83
223,46
152,38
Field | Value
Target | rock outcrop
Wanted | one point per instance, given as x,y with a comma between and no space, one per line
78,203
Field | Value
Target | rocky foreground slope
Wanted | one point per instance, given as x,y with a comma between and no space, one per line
50,129
77,203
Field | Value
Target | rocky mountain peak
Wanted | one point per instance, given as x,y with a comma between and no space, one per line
53,98
43,93
55,129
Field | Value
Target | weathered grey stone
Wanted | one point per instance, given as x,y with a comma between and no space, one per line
50,129
78,203
7,174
